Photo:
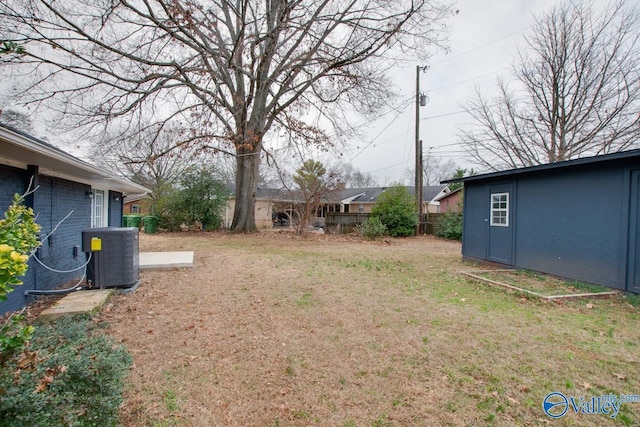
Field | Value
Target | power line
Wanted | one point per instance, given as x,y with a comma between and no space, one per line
481,46
468,80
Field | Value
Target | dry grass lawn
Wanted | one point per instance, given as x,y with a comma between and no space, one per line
276,330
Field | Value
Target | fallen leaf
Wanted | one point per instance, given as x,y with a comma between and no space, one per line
621,377
589,305
463,299
512,400
585,385
524,388
27,359
44,383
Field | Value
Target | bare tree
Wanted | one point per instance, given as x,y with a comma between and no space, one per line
153,159
234,71
434,169
577,93
17,120
351,177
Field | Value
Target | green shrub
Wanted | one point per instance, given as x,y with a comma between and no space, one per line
450,226
198,200
371,228
396,209
69,375
19,237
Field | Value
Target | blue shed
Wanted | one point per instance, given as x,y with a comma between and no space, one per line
577,219
66,187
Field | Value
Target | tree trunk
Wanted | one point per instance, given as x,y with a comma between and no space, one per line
244,214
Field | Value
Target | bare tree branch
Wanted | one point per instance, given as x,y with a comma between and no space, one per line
578,92
234,71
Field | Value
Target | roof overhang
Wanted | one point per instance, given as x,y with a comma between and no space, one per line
20,151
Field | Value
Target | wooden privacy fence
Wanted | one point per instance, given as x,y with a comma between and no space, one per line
429,222
345,223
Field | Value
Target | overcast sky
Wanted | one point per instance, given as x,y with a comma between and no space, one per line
483,41
484,38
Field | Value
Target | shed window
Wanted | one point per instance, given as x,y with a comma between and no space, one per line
500,209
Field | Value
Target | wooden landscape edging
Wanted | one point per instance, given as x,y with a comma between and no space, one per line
536,294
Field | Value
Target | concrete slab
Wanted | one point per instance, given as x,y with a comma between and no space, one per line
78,302
149,260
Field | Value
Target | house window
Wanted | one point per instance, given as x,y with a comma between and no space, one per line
98,209
360,208
500,209
135,209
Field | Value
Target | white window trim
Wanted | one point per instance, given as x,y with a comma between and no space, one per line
505,210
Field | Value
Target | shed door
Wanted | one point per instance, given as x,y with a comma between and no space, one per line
633,284
500,223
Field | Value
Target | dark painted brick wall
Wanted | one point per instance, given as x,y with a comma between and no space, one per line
54,200
115,209
12,181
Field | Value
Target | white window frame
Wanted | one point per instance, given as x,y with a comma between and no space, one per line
99,217
500,209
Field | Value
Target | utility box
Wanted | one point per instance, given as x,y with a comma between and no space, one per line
114,256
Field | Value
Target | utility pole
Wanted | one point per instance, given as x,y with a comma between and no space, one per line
421,101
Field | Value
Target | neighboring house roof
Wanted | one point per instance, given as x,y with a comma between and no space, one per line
449,194
346,196
131,198
583,161
19,149
370,195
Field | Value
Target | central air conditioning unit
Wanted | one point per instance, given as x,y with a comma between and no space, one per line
114,256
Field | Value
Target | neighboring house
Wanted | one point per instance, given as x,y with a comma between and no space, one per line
578,219
450,202
65,187
362,200
268,202
272,204
136,204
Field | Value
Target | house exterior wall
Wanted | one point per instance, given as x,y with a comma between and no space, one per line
142,204
115,209
570,223
355,207
12,181
54,199
263,211
451,203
